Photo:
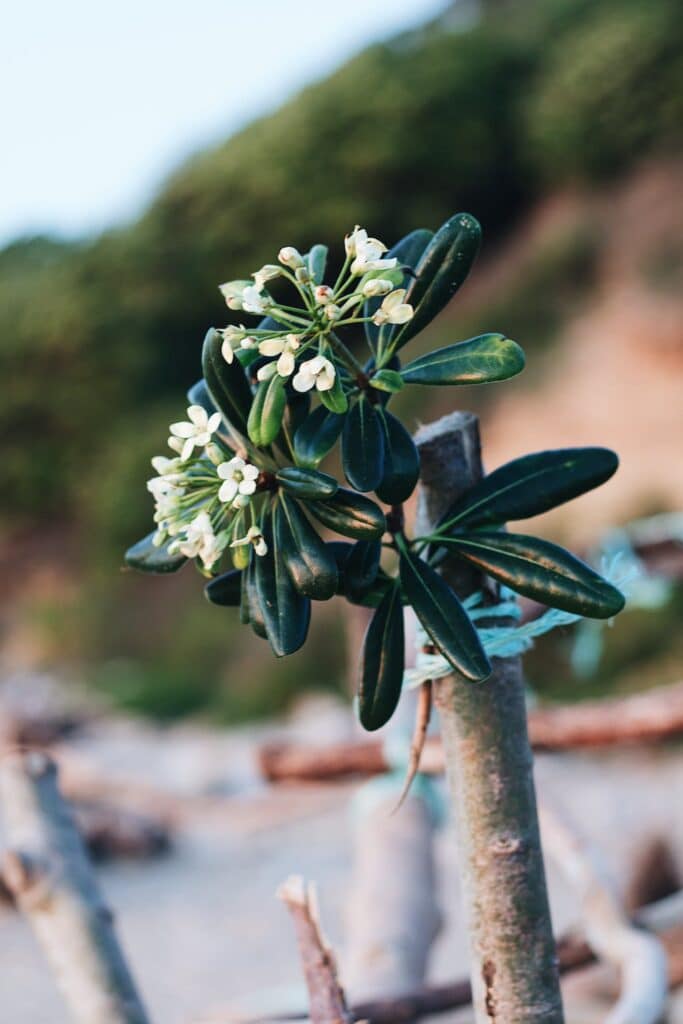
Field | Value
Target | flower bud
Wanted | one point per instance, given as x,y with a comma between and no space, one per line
302,275
214,454
376,286
332,311
323,294
291,257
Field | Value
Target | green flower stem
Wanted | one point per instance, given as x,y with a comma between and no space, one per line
344,353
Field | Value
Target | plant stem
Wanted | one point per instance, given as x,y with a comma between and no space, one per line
489,767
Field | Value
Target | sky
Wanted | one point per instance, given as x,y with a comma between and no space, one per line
99,102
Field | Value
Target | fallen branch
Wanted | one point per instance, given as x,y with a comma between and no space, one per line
664,917
644,717
48,873
638,955
326,997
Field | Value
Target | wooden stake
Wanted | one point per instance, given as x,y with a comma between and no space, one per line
489,766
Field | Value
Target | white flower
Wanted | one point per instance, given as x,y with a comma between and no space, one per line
255,538
176,444
376,286
199,541
366,252
266,273
285,348
255,300
231,336
266,372
248,343
164,466
323,294
197,432
291,257
393,309
232,293
238,476
318,372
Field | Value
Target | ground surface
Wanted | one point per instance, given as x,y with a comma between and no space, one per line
202,927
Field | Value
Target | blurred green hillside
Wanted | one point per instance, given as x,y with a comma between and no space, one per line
99,340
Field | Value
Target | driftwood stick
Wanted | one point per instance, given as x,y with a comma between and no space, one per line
489,768
642,717
47,871
326,997
639,955
664,917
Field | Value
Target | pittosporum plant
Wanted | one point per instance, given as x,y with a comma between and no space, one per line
244,484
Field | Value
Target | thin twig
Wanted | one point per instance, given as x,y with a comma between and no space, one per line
423,714
326,996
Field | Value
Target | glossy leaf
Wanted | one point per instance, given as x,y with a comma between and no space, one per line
382,662
297,409
312,568
408,253
532,484
540,570
145,557
286,613
226,382
225,590
317,436
443,617
401,462
390,381
489,357
361,568
373,594
443,267
254,611
363,446
316,261
267,410
306,483
335,399
351,514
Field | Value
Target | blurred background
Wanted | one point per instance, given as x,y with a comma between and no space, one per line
152,151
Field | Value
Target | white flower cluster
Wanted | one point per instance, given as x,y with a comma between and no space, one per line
303,344
201,497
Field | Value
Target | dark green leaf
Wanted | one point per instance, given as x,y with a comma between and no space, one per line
335,399
533,484
487,358
306,483
312,568
361,568
226,382
350,514
401,461
251,607
316,260
363,446
267,410
444,618
317,436
443,267
145,557
382,662
225,590
390,381
371,597
540,570
297,409
408,253
286,612
198,394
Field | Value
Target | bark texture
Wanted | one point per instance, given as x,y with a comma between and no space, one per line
47,871
489,766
